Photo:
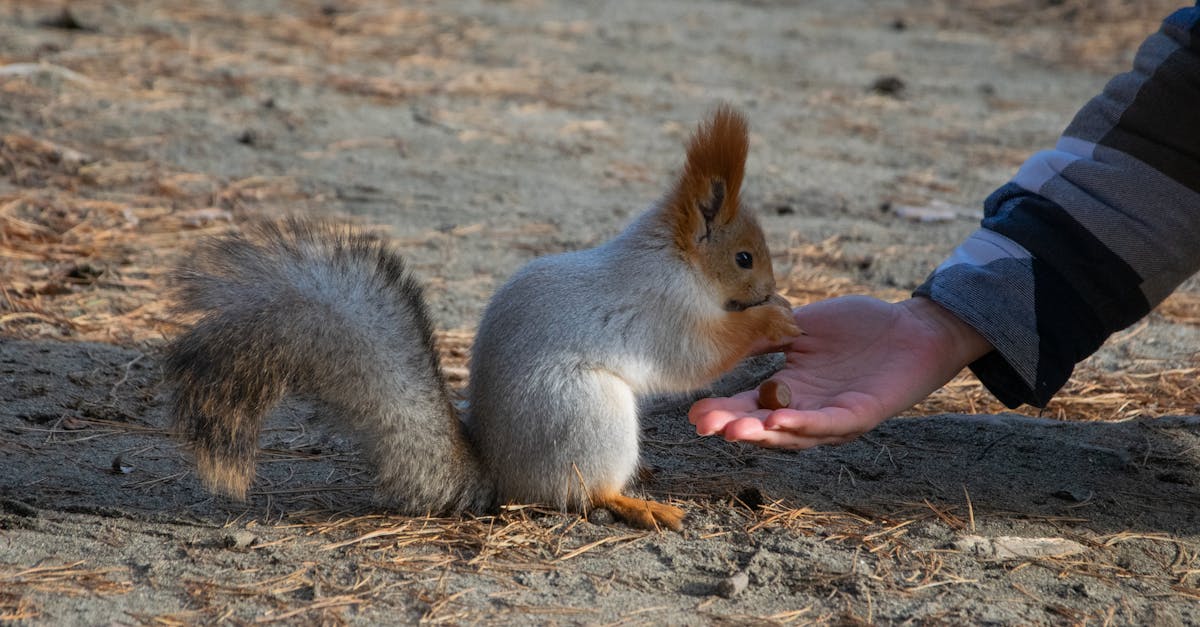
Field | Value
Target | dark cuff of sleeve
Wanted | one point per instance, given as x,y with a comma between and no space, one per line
1037,341
1001,282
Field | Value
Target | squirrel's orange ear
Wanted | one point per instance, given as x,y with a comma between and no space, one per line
707,190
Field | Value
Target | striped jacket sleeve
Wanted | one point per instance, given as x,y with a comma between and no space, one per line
1088,237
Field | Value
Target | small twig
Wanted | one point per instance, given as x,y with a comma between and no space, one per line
112,394
970,508
987,449
28,69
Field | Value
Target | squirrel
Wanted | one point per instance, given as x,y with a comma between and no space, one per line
562,352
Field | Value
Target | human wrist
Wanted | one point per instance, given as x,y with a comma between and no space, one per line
956,338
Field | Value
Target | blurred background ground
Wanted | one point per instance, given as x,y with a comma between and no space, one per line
477,135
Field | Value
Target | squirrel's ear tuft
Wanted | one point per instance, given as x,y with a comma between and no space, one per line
707,190
711,207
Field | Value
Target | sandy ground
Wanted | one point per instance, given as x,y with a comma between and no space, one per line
478,135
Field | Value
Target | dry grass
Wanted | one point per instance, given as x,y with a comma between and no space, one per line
397,555
65,579
510,541
84,268
15,606
1092,394
328,599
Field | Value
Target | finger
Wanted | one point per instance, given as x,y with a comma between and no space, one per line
825,422
715,422
743,429
751,431
742,403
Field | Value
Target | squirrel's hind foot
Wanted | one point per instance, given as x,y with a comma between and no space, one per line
639,512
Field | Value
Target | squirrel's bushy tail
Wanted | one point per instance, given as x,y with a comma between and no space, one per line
332,315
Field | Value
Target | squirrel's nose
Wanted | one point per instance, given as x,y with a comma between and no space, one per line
766,287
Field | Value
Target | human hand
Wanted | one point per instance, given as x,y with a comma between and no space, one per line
861,361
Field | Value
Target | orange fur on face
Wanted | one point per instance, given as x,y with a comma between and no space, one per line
707,223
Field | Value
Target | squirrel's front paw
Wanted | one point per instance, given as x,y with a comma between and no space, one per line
779,301
778,323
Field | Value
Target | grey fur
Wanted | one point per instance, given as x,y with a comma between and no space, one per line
332,315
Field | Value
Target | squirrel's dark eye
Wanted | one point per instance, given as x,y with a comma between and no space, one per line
744,260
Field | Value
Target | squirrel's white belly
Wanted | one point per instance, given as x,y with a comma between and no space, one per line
558,441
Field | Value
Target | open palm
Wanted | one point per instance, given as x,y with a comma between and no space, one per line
861,361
